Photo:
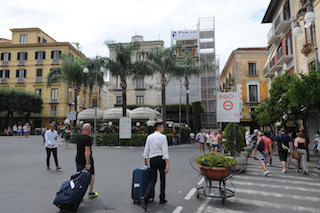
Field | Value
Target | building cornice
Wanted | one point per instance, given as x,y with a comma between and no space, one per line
31,30
268,16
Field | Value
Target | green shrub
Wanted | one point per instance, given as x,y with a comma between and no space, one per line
216,160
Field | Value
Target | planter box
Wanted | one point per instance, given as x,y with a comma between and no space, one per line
214,173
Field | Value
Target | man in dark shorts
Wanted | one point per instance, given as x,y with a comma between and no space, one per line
282,141
84,158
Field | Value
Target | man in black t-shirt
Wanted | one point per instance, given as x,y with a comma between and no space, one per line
84,158
282,141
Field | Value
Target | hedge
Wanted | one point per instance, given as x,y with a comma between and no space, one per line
113,139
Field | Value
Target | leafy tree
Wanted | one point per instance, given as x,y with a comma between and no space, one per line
123,66
19,101
188,67
264,115
304,97
71,72
229,136
164,62
279,100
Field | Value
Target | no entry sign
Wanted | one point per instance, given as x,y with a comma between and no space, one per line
228,107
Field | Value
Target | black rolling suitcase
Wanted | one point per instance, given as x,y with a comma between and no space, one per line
71,192
140,181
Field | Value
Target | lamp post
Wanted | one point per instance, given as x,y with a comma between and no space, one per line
309,18
95,97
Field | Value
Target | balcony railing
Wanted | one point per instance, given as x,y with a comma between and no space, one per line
4,80
273,67
282,23
5,63
55,61
21,62
20,80
53,100
53,113
279,53
283,58
38,79
273,37
39,62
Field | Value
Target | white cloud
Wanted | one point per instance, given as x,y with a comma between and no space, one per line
237,23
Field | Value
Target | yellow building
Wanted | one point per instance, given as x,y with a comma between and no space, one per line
26,61
243,73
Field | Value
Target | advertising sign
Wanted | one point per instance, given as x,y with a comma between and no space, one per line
228,107
184,35
125,128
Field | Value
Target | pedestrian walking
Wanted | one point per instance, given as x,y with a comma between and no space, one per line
192,138
291,148
208,140
14,130
254,139
214,141
84,159
174,137
43,132
156,149
264,154
20,130
25,130
301,145
317,142
67,136
201,138
51,137
282,141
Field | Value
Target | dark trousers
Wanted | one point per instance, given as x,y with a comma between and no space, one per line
156,163
55,156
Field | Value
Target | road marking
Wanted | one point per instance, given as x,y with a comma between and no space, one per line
211,209
274,180
275,186
282,195
266,204
190,194
203,205
178,209
275,174
201,181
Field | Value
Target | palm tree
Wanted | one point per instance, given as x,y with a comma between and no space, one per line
188,67
164,62
71,73
122,65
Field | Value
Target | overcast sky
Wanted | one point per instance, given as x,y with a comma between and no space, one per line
237,22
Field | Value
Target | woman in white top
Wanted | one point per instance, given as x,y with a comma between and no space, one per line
317,142
214,142
208,139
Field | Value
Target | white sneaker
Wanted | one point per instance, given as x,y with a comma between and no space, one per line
265,173
283,171
268,164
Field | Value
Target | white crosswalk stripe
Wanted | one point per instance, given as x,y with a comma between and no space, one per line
290,192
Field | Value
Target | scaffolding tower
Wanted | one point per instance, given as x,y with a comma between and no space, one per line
210,75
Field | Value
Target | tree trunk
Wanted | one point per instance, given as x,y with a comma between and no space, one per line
163,97
187,101
305,133
124,97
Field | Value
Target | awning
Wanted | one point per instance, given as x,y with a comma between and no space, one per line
88,114
114,114
145,113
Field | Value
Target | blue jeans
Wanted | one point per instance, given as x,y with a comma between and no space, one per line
174,140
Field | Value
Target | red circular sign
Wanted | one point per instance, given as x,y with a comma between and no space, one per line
225,96
236,115
228,105
220,96
230,96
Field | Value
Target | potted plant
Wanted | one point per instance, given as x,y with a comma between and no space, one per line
215,166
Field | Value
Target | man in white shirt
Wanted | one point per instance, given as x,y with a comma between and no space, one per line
51,137
156,149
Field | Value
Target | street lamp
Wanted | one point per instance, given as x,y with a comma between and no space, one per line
309,18
95,96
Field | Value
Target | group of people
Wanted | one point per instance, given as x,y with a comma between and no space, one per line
84,159
18,130
211,139
284,143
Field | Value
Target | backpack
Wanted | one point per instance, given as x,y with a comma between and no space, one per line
260,146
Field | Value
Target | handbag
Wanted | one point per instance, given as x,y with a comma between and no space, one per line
295,154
